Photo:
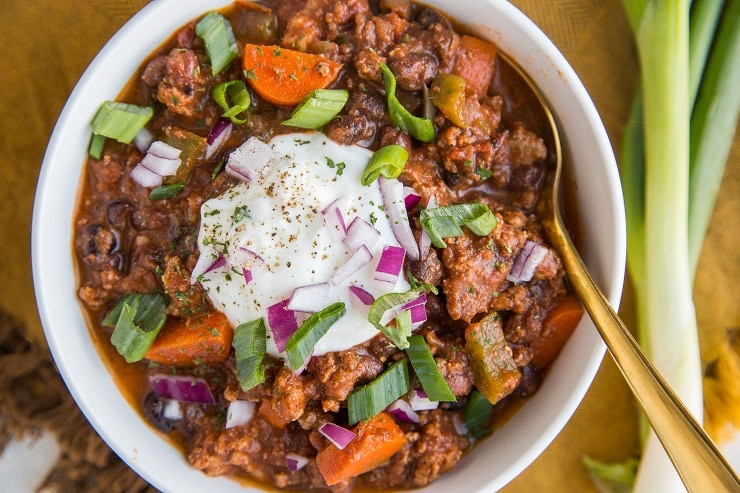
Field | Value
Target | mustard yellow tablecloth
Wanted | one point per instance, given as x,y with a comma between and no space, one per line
46,44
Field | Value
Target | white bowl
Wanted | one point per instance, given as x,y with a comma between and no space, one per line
492,463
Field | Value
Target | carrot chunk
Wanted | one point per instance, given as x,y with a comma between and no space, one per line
198,340
377,440
556,328
267,411
284,77
475,61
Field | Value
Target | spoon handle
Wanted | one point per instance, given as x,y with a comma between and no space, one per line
696,458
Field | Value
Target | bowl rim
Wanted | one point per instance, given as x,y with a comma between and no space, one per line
46,232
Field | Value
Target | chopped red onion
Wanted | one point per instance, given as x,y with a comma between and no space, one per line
144,177
418,315
432,202
172,410
208,255
161,165
360,232
335,217
357,261
239,413
393,311
525,264
459,423
217,137
282,323
245,257
360,299
163,150
295,462
410,198
309,299
419,300
250,263
401,410
392,192
337,435
250,160
143,139
181,388
220,262
419,400
425,242
161,159
361,295
390,264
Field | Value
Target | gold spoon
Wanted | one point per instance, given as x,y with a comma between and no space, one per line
699,463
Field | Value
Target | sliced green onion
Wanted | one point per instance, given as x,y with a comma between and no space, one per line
137,318
387,161
250,344
218,168
163,192
422,286
318,108
484,173
419,128
703,21
232,96
618,476
432,381
218,37
120,121
404,322
445,221
367,401
300,345
713,124
441,227
478,415
96,146
387,304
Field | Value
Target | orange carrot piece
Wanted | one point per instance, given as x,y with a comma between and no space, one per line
267,411
202,339
556,328
475,61
284,77
377,440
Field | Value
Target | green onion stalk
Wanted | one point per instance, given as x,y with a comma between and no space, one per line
659,274
673,157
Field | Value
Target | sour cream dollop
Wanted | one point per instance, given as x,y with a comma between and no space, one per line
278,218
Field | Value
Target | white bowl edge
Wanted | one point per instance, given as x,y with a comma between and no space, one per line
87,377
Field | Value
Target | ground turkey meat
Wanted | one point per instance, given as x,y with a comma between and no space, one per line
181,84
340,372
317,20
185,299
476,268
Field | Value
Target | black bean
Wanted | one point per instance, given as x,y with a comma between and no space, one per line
428,17
524,178
154,412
